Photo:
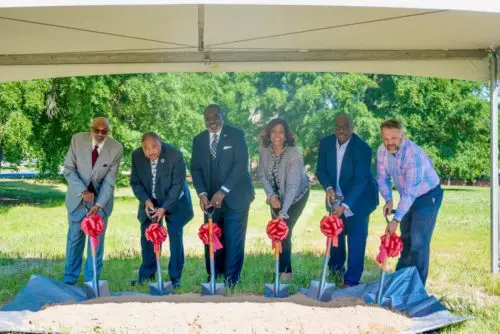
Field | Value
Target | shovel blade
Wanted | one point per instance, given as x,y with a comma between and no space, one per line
325,295
166,289
103,289
270,292
206,289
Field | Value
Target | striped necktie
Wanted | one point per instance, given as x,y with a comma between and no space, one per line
153,173
213,146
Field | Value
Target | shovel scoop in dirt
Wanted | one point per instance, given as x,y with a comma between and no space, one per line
157,234
93,226
331,226
210,233
277,231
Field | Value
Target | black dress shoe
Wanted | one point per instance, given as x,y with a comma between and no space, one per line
176,284
142,280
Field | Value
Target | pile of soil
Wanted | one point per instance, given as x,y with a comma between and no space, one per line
192,313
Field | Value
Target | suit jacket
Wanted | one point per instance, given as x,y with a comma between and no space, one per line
358,185
231,165
171,189
79,173
291,175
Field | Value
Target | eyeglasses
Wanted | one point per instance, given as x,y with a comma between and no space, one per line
214,118
100,131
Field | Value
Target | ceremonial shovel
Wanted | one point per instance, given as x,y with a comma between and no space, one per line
159,288
211,288
276,289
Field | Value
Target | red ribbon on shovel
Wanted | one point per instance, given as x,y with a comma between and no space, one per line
93,226
203,234
277,231
390,246
332,226
157,234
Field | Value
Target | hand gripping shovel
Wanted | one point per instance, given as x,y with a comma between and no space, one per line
322,290
384,268
93,226
277,230
211,288
160,288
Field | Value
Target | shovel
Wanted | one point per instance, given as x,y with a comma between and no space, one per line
95,288
211,288
382,271
159,288
322,290
276,290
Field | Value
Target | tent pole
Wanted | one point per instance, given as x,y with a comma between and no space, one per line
494,90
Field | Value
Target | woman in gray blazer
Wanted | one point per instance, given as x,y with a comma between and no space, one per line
281,169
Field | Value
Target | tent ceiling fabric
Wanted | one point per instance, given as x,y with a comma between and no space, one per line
40,39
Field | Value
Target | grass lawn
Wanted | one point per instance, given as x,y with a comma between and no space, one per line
33,231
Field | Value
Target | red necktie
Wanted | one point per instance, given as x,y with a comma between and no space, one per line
95,155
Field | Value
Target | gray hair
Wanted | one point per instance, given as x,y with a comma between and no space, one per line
150,135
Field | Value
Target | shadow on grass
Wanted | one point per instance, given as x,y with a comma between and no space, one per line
14,193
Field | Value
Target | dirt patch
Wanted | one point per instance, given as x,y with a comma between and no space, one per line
192,313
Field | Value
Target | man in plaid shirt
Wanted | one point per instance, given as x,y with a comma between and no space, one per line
420,192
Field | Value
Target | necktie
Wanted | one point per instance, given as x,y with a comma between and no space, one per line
213,146
153,173
95,155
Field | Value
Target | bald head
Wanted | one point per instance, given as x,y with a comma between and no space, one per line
100,129
343,128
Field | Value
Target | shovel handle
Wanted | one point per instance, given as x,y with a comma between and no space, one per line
329,241
211,237
384,264
92,248
277,252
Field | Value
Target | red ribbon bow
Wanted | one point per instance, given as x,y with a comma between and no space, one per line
203,234
93,226
157,234
389,247
332,226
277,230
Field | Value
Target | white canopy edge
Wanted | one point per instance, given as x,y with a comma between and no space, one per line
492,6
455,69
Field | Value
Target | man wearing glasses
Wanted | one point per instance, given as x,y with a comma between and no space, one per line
219,168
91,168
344,171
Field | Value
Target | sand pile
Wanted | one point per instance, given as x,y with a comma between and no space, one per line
196,314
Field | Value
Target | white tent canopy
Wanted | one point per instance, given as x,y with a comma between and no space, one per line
438,38
449,39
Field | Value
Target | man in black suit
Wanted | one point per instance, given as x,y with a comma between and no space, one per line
219,167
159,182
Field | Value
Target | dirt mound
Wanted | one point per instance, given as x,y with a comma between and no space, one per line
238,314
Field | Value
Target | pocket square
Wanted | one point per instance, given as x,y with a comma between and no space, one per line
227,147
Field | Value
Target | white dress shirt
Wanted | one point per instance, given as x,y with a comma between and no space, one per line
99,146
338,191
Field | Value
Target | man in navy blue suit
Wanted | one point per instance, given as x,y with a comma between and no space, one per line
158,180
344,171
219,167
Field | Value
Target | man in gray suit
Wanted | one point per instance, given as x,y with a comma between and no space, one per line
91,168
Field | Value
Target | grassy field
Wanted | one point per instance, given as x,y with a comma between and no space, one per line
33,230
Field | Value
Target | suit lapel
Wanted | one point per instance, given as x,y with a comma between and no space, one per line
334,150
161,163
222,141
88,148
347,154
